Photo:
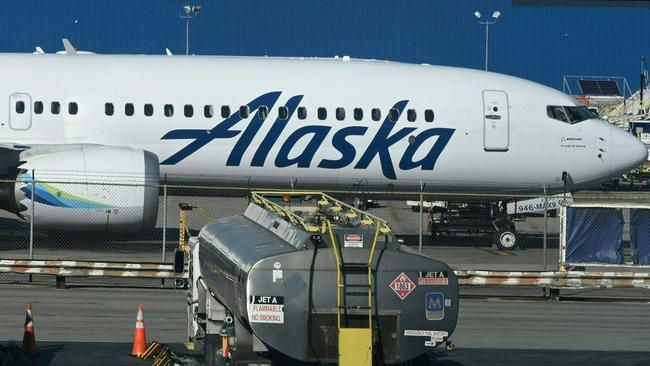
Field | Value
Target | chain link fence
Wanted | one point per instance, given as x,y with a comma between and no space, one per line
69,221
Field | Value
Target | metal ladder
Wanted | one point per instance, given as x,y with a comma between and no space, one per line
355,344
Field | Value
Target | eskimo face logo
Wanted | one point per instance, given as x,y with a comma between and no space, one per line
378,146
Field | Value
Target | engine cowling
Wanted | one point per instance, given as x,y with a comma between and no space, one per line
86,188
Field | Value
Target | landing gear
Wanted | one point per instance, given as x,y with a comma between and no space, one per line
506,239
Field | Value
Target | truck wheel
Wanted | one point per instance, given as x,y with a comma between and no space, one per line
506,239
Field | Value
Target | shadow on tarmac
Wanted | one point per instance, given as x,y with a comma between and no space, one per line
89,353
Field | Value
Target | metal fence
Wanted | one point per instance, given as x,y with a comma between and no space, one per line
464,231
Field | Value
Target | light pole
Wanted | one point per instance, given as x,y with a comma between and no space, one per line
487,23
190,12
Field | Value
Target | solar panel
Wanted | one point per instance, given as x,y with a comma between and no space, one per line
589,87
599,87
609,87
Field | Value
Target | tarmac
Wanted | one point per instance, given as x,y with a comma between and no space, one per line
111,354
83,326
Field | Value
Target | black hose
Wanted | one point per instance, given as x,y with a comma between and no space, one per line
311,307
380,348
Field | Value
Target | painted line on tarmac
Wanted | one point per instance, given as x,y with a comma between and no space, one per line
497,252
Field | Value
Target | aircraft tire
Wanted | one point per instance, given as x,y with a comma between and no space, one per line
506,239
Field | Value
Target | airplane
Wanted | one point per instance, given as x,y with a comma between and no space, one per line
72,122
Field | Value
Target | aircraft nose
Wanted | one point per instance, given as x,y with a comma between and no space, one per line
628,151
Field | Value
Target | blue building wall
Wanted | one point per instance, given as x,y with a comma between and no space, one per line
540,43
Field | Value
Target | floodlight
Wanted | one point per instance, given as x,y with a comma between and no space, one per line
496,14
477,14
190,12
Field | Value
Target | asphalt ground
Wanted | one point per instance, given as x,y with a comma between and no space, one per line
111,354
94,326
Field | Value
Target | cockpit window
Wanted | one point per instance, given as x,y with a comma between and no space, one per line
569,114
557,112
586,112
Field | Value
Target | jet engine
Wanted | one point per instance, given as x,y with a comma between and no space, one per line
83,187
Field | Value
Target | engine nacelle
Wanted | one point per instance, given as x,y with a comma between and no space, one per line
87,188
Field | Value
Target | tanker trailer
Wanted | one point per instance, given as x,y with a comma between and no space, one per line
309,278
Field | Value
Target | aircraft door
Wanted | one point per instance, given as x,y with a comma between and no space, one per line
20,111
496,121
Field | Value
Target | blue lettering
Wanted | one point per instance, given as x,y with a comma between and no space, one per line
379,146
429,161
382,142
234,159
222,130
347,150
274,133
304,159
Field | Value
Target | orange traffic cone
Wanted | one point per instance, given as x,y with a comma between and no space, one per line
29,339
139,339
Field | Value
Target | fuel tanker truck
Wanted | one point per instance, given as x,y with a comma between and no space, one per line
305,277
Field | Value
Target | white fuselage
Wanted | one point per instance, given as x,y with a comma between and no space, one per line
489,133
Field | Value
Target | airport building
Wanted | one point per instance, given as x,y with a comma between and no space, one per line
540,40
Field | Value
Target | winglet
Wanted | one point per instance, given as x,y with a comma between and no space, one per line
168,52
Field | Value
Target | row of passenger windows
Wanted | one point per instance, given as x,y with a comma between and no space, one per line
244,111
55,107
283,112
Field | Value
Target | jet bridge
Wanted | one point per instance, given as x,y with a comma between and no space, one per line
305,276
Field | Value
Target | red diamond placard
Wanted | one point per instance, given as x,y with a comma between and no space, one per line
402,285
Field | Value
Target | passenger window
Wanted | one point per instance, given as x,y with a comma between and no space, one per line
55,107
129,109
244,111
358,114
208,111
73,108
263,112
188,110
20,107
38,107
393,114
148,110
169,110
376,114
109,109
283,112
322,113
225,111
428,115
411,115
302,113
340,113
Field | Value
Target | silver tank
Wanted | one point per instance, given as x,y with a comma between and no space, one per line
280,282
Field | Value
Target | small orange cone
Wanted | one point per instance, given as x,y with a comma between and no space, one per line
139,339
29,339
